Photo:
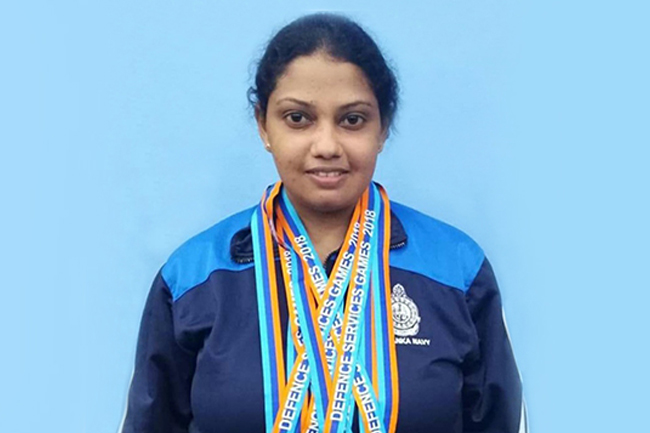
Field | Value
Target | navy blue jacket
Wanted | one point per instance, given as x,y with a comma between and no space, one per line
198,365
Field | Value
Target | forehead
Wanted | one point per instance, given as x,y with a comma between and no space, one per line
320,78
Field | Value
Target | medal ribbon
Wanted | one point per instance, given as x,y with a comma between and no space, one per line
339,356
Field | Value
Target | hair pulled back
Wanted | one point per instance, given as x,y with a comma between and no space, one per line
339,37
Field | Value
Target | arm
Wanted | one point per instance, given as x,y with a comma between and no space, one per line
159,396
492,395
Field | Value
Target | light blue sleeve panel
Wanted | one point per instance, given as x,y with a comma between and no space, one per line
194,261
436,250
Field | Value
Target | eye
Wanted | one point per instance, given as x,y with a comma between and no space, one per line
353,121
296,119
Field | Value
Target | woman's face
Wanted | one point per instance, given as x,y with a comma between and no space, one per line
324,130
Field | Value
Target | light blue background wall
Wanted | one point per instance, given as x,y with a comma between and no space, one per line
124,130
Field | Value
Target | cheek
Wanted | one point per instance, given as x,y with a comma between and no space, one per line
365,161
286,166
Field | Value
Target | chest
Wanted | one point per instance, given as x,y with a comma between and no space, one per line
433,336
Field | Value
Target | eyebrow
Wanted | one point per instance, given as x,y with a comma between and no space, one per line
308,105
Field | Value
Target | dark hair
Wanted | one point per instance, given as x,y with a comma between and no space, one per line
338,36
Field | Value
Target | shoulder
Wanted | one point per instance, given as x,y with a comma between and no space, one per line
193,262
436,249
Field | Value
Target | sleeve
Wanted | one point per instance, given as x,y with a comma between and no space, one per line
492,392
159,395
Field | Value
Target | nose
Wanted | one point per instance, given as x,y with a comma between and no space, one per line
326,143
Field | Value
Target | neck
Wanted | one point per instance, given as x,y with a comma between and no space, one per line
326,230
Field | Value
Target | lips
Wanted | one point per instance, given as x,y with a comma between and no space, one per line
327,177
327,172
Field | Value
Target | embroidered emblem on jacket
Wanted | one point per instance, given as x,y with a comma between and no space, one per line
406,317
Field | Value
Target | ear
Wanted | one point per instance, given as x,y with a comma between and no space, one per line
383,137
260,117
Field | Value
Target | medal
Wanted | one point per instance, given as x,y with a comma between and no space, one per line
344,356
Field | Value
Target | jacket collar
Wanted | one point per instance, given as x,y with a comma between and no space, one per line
241,244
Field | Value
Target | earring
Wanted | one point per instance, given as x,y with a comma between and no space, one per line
267,145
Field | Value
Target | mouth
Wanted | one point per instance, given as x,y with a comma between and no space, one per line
327,177
327,172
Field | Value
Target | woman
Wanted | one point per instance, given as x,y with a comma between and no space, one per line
326,307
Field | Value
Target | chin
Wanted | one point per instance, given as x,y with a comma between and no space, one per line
332,206
324,201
